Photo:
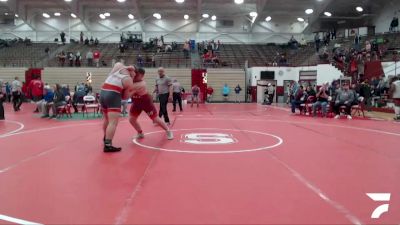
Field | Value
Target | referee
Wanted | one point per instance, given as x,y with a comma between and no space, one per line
164,90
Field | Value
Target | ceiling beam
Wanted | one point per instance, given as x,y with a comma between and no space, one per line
199,9
138,14
261,5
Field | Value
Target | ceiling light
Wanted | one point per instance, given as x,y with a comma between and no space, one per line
180,1
268,19
205,15
186,17
45,15
67,0
6,13
300,19
214,17
107,14
73,15
253,14
102,16
3,0
309,11
121,0
238,1
157,16
131,17
57,14
327,14
16,15
359,9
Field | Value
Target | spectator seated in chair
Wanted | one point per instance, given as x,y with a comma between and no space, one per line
298,98
322,101
344,100
46,102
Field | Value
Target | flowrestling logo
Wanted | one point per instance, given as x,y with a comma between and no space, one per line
380,197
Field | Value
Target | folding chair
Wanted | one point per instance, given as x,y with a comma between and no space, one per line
90,103
65,109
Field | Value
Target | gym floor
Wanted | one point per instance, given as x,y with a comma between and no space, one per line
228,164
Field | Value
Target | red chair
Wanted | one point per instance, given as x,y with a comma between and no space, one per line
359,108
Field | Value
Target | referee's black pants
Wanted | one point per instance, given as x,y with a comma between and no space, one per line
163,106
177,98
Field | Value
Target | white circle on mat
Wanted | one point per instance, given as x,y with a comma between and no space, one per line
279,141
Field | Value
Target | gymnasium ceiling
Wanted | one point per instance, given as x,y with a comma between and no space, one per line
281,11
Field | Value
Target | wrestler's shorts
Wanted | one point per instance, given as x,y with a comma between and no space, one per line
110,101
143,103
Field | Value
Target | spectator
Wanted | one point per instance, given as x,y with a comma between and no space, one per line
153,60
186,49
81,37
87,41
159,45
71,59
297,99
78,59
226,90
367,46
8,91
317,42
270,93
96,58
140,61
62,36
16,88
345,97
47,51
238,89
168,48
61,59
283,61
177,95
210,92
195,95
77,99
365,91
121,47
96,42
89,58
46,102
2,99
91,42
394,93
394,24
322,100
59,100
310,91
36,88
357,40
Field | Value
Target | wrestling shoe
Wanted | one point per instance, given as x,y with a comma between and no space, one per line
170,135
110,149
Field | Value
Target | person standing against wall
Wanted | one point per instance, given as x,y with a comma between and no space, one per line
238,89
164,90
177,95
16,89
2,99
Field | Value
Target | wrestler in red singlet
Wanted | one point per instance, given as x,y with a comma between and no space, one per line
143,101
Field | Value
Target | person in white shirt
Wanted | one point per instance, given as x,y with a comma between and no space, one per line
16,89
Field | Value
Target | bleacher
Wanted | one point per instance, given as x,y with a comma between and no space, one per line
23,55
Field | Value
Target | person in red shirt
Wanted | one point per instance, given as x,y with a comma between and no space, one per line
96,57
210,92
36,89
